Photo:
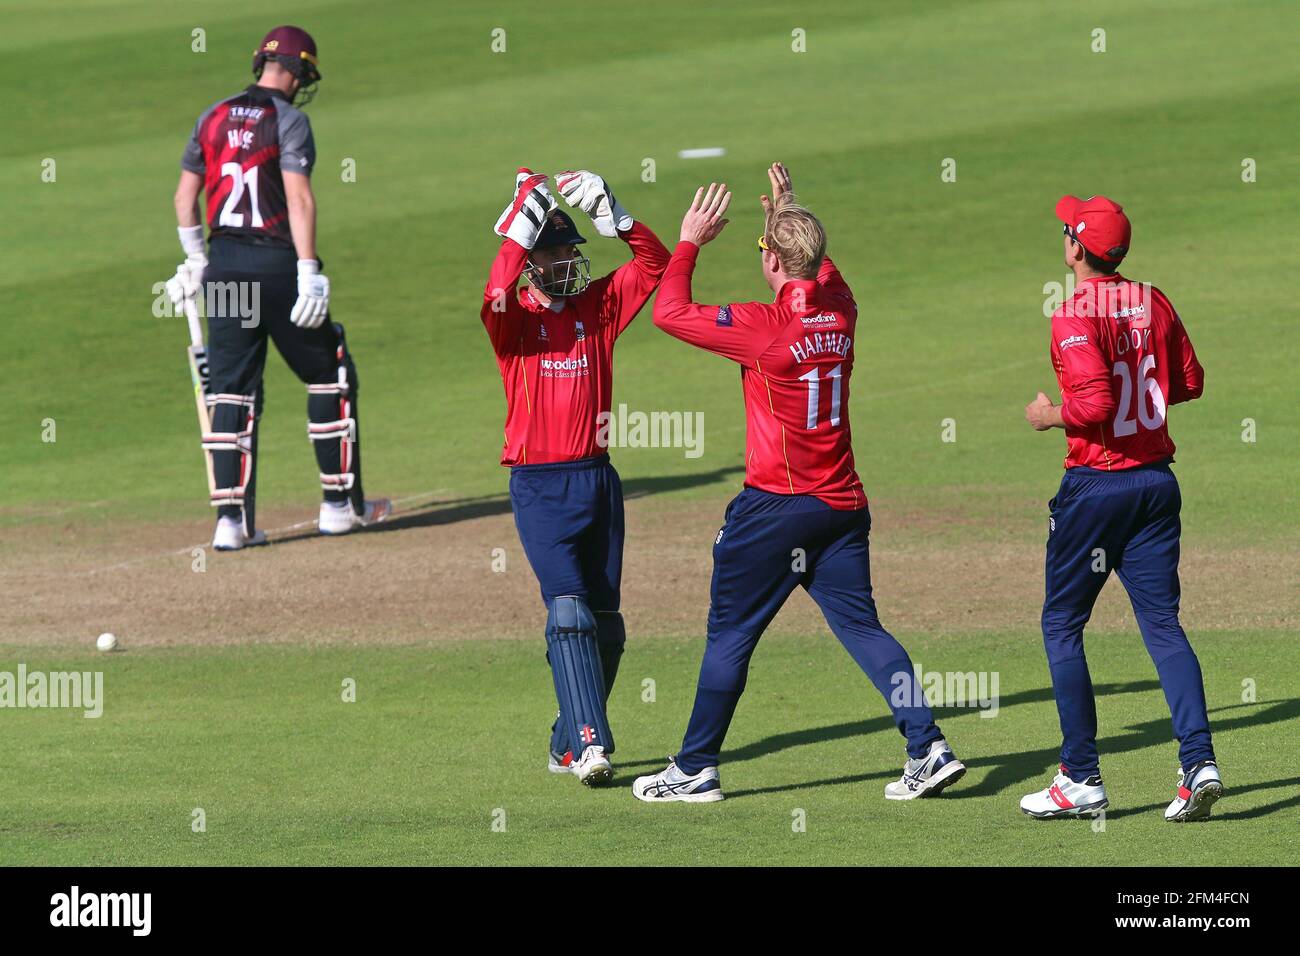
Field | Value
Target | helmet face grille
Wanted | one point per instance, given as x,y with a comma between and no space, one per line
564,277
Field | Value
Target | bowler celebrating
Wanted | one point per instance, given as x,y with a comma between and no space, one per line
554,342
1122,357
802,518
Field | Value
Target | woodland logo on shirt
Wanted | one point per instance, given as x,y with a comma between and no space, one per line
565,364
1130,314
1072,341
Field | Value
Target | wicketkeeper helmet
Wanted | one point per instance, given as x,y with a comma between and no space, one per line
567,276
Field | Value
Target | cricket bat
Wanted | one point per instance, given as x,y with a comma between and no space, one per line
198,357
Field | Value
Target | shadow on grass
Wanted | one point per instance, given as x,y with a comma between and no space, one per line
433,513
1008,770
1229,792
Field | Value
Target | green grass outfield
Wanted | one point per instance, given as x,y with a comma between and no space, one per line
950,279
950,276
439,743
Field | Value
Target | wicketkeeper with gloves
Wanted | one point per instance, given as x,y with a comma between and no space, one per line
252,155
554,342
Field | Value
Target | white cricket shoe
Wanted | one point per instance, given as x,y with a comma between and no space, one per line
928,776
561,763
1198,789
593,767
337,517
672,784
230,536
1065,798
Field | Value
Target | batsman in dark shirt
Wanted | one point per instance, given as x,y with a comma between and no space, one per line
251,155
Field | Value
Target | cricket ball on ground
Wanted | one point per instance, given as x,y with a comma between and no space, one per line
107,641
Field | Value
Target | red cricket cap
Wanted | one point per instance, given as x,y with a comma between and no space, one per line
1098,224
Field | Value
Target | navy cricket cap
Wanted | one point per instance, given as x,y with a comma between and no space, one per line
558,231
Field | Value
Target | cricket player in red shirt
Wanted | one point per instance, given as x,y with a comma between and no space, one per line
1122,358
802,518
554,343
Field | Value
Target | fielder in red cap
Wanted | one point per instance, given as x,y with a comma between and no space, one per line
1122,358
258,276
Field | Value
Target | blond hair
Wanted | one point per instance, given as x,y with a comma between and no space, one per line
797,237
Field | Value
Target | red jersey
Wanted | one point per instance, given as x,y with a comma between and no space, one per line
557,364
796,356
242,146
1122,357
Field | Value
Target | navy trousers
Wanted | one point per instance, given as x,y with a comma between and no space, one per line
1126,521
570,521
769,545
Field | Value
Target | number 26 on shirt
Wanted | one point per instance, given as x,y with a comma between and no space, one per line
1132,406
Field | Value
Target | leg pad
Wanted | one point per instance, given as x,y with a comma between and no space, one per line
337,397
576,667
237,441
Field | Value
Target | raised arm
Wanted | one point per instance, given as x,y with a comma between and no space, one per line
625,290
675,312
518,226
834,289
738,331
498,295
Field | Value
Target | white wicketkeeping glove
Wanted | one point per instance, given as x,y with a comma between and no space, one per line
188,280
524,218
585,190
313,296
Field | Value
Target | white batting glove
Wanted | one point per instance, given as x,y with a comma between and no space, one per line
585,190
313,296
187,283
524,218
188,280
